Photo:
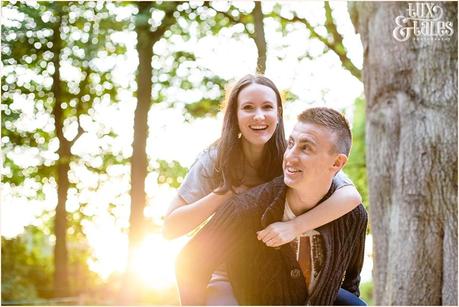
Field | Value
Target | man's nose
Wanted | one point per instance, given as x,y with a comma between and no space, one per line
290,154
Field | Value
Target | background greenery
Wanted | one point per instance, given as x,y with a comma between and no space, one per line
58,79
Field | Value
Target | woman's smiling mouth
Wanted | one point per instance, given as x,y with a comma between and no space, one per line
258,127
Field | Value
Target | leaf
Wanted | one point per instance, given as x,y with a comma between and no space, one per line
205,107
171,173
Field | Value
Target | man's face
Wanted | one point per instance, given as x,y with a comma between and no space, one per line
309,156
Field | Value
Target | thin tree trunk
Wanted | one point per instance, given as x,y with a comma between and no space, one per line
129,295
411,93
145,41
61,284
259,37
139,155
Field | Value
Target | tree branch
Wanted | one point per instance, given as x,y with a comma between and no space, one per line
84,83
335,43
233,19
259,37
168,21
338,46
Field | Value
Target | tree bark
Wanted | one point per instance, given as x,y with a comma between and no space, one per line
411,94
61,280
259,37
139,155
139,163
130,293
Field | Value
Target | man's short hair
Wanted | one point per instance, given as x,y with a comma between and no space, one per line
332,120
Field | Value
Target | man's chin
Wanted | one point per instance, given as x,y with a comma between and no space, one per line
289,182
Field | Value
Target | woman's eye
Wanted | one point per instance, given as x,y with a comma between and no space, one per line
268,107
247,107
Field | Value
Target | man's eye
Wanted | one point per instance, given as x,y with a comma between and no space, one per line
290,144
305,147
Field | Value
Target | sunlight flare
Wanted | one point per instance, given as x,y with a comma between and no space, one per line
154,261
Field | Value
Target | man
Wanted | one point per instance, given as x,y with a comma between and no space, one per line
308,272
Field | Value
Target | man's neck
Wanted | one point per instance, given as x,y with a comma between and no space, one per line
301,201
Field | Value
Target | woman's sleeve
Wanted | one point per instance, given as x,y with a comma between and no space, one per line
198,182
341,180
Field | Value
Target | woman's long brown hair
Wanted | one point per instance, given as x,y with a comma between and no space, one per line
229,165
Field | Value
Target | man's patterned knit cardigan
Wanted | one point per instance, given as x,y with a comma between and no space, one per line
262,275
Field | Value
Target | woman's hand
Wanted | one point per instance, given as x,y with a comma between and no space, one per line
278,234
240,189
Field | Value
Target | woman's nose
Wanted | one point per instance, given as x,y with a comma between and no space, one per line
259,114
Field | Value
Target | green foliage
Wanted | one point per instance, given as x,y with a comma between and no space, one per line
288,96
211,20
366,292
356,167
81,278
29,45
183,72
40,39
171,173
26,266
85,27
283,22
210,104
203,108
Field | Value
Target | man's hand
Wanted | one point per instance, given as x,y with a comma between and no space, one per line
278,234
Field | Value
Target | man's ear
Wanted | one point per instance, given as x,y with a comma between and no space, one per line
340,161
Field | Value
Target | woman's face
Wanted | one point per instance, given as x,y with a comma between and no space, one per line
257,113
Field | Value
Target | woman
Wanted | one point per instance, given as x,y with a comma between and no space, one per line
248,153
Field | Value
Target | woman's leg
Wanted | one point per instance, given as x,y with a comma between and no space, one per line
346,298
220,292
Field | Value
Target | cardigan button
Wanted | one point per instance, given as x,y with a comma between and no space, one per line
295,273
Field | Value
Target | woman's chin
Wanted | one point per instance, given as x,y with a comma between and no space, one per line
258,140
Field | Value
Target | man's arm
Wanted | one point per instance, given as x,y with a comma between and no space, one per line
210,247
352,278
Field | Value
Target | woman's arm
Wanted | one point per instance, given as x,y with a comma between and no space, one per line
195,200
181,217
338,204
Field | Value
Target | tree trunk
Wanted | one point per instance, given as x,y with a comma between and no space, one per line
411,93
259,37
139,156
139,164
61,284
